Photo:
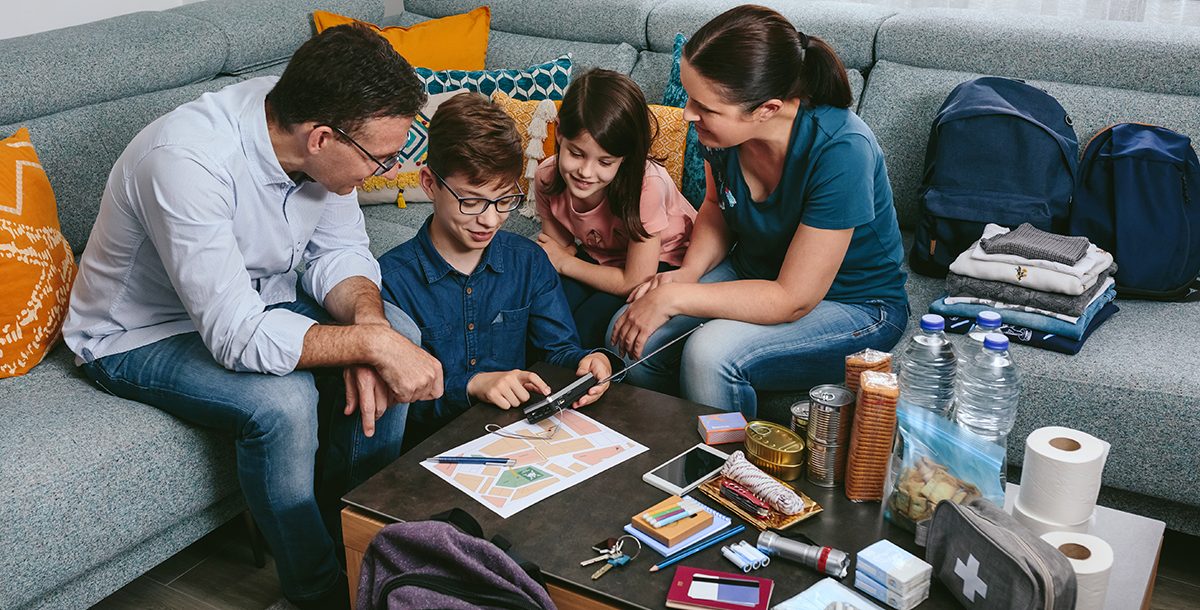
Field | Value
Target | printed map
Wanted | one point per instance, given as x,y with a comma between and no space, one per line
579,449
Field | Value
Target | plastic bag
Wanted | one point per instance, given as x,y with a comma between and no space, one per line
937,460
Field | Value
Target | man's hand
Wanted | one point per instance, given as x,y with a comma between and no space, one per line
409,372
506,389
598,365
367,392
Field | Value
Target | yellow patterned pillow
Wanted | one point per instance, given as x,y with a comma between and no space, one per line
535,120
35,259
671,140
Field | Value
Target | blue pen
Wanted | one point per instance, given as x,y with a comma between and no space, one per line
470,459
699,546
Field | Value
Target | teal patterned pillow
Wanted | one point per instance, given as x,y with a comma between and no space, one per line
546,81
693,161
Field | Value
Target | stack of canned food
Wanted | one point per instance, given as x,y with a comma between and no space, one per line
828,433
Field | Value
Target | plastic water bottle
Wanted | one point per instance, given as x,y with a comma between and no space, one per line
986,322
926,368
987,390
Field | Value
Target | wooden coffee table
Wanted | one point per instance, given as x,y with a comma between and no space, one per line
557,532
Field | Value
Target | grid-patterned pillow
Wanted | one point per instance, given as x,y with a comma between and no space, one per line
547,81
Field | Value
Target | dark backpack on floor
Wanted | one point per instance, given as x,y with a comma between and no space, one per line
1139,198
447,563
1000,151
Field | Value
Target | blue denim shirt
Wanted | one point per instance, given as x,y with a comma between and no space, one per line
480,323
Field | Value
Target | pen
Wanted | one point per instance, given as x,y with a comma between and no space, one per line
470,459
696,548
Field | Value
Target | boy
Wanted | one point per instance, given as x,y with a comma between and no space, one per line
477,293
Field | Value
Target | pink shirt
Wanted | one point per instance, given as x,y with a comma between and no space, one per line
665,212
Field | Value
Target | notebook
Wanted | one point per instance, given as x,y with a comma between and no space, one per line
719,523
699,589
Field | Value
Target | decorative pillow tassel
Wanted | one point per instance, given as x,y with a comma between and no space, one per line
535,151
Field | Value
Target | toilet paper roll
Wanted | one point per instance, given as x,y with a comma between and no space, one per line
1060,478
1040,526
1092,560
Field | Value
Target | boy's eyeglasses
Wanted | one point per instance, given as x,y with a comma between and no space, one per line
385,165
474,206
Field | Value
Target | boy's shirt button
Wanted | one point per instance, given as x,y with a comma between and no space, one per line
472,362
471,326
468,290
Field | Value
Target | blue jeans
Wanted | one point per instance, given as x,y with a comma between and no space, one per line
724,363
275,423
591,308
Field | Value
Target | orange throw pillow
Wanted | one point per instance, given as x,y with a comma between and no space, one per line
536,121
455,42
670,142
35,259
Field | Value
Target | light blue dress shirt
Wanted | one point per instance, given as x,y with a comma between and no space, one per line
200,229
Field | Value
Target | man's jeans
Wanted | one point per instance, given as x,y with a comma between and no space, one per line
725,363
275,423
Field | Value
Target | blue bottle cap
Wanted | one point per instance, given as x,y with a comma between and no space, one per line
995,341
988,319
931,322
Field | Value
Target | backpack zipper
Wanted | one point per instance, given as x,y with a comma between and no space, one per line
1047,577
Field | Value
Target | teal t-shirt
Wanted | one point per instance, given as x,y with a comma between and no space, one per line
834,177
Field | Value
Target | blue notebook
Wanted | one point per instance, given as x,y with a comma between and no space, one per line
719,523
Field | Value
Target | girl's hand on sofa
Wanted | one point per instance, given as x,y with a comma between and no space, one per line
506,389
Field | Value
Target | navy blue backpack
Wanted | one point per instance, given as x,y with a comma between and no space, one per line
1139,198
1000,151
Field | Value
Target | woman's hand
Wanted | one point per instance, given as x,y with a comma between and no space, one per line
644,316
556,252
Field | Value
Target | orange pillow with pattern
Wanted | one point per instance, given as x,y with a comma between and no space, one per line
454,42
35,259
671,140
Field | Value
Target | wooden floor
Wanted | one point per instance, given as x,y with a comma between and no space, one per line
218,573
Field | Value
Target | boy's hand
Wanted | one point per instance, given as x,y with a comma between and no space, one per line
598,365
506,389
556,252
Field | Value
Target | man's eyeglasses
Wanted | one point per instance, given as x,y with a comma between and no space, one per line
474,206
385,165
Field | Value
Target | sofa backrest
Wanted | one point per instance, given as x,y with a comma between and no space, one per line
1102,73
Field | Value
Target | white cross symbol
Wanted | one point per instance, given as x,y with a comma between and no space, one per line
972,583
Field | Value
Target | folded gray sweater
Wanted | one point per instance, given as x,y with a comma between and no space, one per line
1028,241
963,286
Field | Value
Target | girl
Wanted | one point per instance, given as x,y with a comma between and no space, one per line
603,190
796,252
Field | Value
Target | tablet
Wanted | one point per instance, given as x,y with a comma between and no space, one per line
687,470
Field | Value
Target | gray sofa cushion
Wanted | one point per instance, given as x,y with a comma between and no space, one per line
900,103
849,28
1139,56
602,21
507,50
105,60
88,476
78,148
264,32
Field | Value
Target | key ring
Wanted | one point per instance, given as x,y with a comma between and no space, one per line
639,546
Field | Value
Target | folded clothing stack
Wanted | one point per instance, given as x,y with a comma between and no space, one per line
1036,281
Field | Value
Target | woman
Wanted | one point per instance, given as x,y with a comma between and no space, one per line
795,255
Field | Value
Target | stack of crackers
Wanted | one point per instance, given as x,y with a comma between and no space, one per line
872,436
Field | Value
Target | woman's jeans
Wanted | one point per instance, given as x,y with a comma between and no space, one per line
274,421
726,362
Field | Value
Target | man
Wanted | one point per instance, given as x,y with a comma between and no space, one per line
187,295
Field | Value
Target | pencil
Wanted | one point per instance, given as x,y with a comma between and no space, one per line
699,546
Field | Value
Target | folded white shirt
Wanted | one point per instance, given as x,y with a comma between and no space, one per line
1108,283
1094,258
1025,273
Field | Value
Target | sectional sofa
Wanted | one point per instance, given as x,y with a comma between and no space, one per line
98,489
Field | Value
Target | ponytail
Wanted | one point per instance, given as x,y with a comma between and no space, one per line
754,54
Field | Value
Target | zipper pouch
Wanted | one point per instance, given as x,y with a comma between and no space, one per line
989,561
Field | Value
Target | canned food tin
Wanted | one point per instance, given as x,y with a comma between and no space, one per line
783,472
829,415
774,443
826,464
799,411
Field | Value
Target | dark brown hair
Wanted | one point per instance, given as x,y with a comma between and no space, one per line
754,54
611,108
471,137
344,76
